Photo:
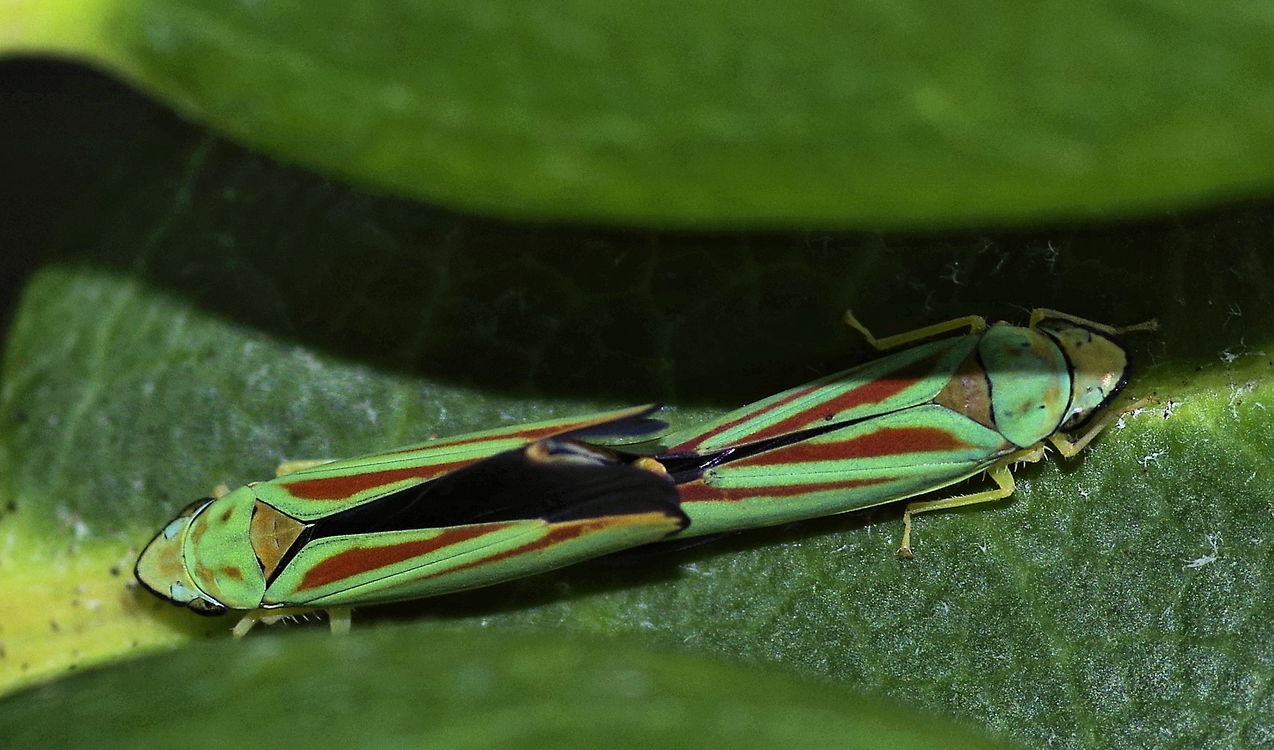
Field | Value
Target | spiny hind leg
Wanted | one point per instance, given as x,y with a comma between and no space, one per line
338,617
267,616
999,473
1068,447
1042,313
974,323
250,620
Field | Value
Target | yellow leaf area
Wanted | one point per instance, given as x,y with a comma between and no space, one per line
66,27
66,609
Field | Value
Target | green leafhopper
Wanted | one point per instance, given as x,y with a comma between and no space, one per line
479,509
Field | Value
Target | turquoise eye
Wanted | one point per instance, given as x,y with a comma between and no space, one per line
180,592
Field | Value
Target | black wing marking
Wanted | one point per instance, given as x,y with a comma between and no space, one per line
552,479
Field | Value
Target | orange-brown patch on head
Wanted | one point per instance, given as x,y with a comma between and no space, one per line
204,573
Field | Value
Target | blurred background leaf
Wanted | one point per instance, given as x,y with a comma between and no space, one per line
715,113
408,687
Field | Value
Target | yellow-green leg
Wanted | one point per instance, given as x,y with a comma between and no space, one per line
975,324
245,624
338,618
1002,477
1041,313
267,616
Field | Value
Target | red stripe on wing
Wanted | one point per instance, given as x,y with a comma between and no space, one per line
693,443
564,532
698,492
556,534
886,441
567,531
346,486
352,562
872,392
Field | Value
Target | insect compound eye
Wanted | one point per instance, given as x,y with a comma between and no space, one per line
180,592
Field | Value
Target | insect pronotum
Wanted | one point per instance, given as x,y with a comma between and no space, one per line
492,506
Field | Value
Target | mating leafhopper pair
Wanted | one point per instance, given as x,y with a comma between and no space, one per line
487,507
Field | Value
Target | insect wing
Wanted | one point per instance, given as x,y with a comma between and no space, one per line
320,491
522,512
867,463
901,380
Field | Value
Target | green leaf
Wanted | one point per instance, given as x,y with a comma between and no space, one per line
707,112
209,313
416,687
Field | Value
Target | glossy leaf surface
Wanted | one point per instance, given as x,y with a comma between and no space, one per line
710,113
